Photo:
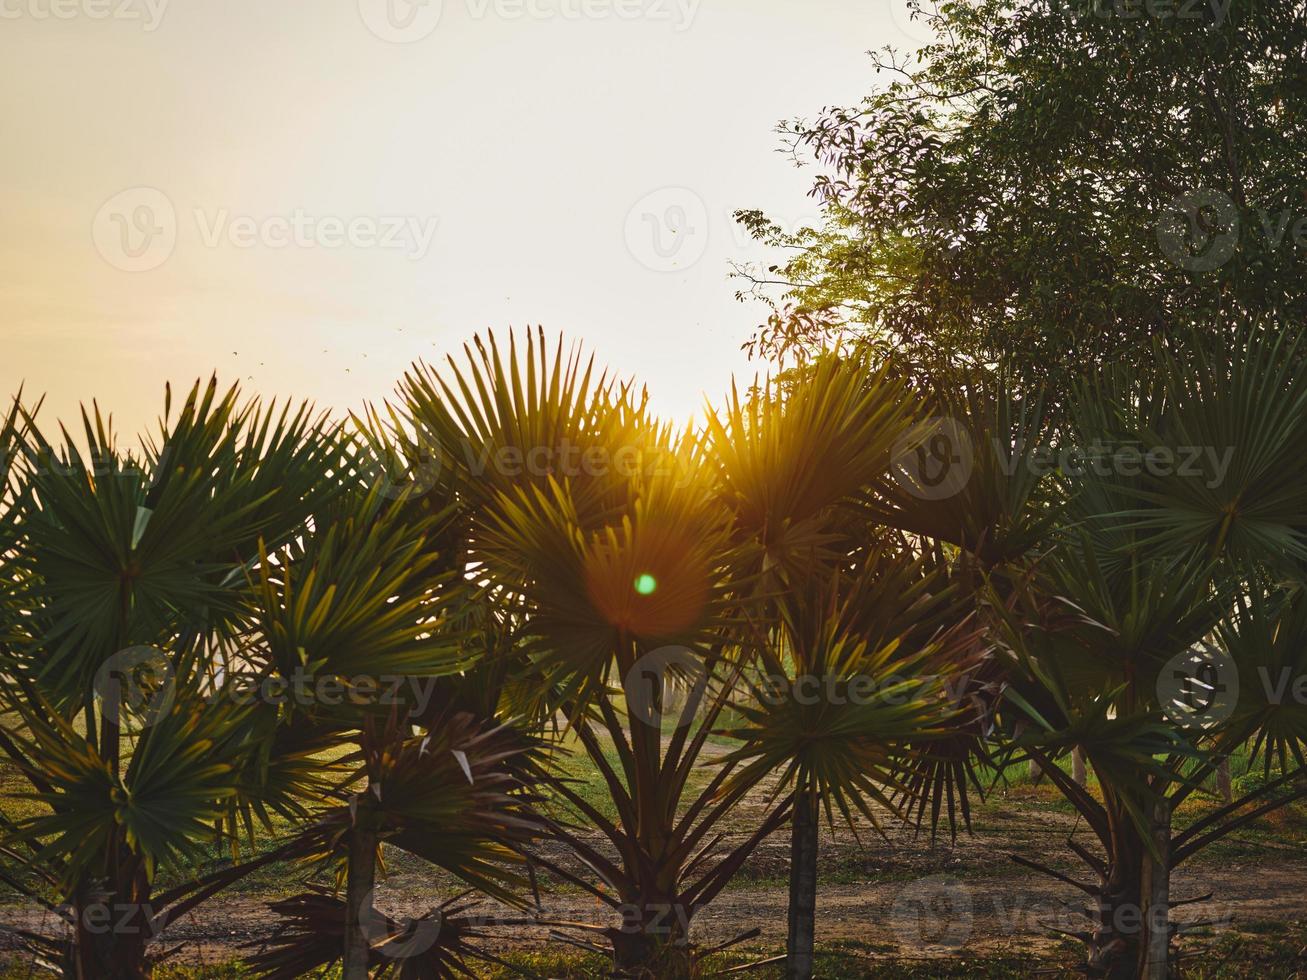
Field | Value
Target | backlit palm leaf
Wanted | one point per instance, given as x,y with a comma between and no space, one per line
1226,435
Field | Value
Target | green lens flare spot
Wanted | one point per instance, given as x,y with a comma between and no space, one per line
645,584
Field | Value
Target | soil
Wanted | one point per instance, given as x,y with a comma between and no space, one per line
900,896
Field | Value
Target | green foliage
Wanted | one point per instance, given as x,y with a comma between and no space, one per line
1050,186
814,617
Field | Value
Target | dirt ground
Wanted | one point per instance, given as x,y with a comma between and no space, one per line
901,897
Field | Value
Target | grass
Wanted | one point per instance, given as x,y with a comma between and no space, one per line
831,964
1273,952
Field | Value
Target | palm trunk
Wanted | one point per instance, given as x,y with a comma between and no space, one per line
1078,766
803,888
655,941
1223,784
92,952
654,946
113,927
362,875
1114,946
1155,944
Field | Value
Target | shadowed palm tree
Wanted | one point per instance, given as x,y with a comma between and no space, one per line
128,580
361,613
1172,582
863,648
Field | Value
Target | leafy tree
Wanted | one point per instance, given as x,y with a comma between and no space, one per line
1049,186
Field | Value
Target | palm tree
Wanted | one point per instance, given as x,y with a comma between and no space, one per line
617,565
364,607
1165,585
843,607
127,578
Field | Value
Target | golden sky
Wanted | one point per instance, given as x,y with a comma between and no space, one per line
307,195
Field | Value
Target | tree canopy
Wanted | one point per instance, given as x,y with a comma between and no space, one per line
1051,185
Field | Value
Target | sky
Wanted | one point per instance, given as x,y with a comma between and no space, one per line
306,196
